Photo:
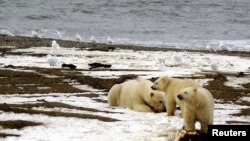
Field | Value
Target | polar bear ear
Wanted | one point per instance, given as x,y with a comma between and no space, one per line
151,94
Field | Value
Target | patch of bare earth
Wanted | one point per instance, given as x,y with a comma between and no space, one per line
22,82
21,109
15,124
229,94
4,135
46,104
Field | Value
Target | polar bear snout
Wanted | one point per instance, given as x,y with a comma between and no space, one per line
153,87
163,110
159,109
180,97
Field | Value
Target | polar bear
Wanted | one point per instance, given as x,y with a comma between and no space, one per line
198,105
171,87
137,95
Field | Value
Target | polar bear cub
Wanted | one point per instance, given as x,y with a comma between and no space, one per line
171,87
198,105
137,95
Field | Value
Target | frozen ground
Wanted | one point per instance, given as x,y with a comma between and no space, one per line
132,125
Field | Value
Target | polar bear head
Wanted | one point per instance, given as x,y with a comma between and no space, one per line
156,101
161,83
188,94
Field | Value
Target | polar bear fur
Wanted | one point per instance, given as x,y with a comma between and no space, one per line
198,105
171,87
137,95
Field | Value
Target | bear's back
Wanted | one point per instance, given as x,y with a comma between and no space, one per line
144,86
179,84
129,92
189,83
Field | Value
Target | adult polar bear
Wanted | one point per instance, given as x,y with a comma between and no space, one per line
198,105
137,95
171,87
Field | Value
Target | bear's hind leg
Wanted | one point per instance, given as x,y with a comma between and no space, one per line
204,126
170,108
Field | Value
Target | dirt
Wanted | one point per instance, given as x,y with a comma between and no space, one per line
21,82
226,93
229,94
17,124
14,109
46,104
3,135
244,112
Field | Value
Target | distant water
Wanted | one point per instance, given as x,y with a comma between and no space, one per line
183,23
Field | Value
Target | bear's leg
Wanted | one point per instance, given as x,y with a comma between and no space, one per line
189,119
170,106
142,108
181,108
204,126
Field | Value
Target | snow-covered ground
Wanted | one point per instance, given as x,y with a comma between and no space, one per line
128,59
133,125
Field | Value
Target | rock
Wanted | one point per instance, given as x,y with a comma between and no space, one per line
71,66
99,65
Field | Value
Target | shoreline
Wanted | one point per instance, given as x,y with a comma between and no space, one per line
26,42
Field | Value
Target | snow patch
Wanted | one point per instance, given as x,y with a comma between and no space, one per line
237,82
